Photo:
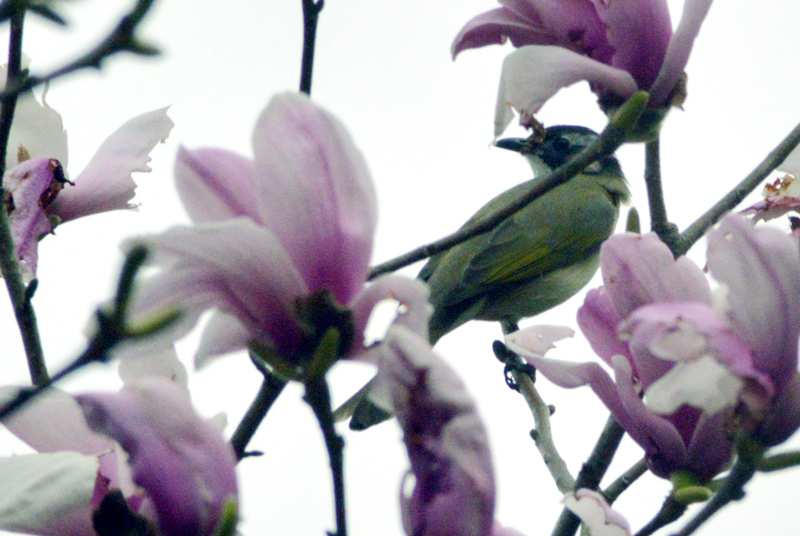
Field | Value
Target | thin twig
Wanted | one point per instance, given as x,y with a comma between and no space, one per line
268,393
121,39
311,11
774,159
670,511
20,295
659,223
620,485
319,399
609,140
592,472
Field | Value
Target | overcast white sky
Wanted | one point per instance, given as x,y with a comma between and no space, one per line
424,124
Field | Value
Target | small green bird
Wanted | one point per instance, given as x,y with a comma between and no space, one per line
542,255
534,260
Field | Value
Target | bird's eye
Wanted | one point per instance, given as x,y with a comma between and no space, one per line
561,144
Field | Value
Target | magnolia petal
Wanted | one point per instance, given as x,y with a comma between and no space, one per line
136,362
598,321
223,334
761,268
446,441
500,530
595,513
31,184
412,295
680,46
496,26
639,270
48,494
639,32
710,450
184,464
783,418
236,266
215,185
703,383
304,157
533,74
106,183
37,131
537,340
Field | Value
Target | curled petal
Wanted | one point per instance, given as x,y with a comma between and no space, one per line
37,131
598,321
496,26
595,513
216,185
761,268
533,74
316,194
106,183
680,46
32,185
446,442
48,494
639,270
184,464
537,340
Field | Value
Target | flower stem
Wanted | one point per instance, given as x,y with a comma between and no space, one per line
618,487
20,294
318,397
268,393
311,11
659,224
592,472
696,230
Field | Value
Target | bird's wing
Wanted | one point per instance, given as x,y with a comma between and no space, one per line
525,247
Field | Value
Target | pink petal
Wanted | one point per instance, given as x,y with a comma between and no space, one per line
316,194
106,183
138,361
639,32
761,269
537,340
184,464
598,321
640,269
496,26
446,442
216,185
223,334
237,267
31,185
595,513
680,46
533,74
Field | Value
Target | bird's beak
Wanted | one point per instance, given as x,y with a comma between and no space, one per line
518,145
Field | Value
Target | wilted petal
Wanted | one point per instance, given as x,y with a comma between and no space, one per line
537,340
680,46
48,494
639,270
106,183
216,185
596,514
533,74
639,33
31,185
761,268
780,196
446,442
184,464
316,194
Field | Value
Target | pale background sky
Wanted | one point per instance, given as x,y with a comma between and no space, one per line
424,124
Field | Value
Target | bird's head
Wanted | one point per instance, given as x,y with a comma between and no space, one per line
550,148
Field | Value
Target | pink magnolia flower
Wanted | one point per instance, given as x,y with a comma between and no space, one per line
595,513
618,47
696,361
447,445
281,244
40,193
